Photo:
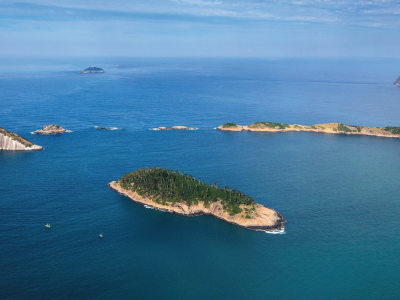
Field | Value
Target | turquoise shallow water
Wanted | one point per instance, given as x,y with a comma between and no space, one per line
339,193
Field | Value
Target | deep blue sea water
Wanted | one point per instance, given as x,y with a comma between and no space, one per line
339,193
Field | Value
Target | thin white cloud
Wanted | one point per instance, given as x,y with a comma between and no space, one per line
198,2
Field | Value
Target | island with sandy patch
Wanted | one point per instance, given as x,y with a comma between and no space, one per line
334,128
12,141
175,192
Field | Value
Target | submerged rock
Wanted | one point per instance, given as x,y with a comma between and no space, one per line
12,141
105,128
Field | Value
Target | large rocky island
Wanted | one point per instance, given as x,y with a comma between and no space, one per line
175,192
92,70
335,128
12,141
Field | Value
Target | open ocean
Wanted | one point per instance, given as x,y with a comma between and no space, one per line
340,194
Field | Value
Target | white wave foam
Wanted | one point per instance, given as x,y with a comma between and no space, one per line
274,231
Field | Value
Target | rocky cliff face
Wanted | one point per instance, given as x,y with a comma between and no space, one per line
397,82
12,141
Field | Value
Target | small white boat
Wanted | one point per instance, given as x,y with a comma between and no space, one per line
101,235
47,225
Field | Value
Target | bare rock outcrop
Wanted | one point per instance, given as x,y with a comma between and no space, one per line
50,129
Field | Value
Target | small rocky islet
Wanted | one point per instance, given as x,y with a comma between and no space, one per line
12,141
51,129
333,128
179,127
176,192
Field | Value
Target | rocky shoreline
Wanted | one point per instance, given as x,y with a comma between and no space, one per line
264,218
332,128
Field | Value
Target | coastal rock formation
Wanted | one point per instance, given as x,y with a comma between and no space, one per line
174,128
92,70
50,129
12,141
334,128
246,214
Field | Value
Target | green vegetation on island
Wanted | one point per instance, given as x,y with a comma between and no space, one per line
93,69
348,128
162,186
229,125
393,130
269,125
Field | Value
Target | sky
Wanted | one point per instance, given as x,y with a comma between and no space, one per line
200,28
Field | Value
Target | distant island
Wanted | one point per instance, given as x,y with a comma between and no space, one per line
174,128
51,129
175,192
335,128
92,70
397,82
12,141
